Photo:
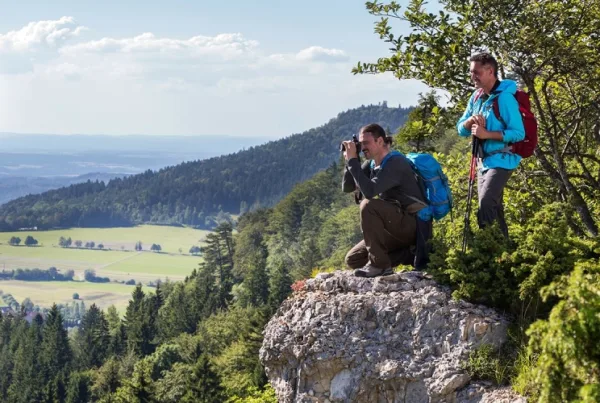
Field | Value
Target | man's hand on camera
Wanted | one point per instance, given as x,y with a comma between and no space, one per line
350,150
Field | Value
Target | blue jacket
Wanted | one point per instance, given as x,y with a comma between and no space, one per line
512,130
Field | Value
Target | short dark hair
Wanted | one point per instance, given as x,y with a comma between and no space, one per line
377,131
487,60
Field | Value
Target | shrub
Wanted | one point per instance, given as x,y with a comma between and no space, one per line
565,347
510,277
30,241
489,363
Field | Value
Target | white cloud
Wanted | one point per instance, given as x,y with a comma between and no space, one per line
35,43
51,33
226,63
150,84
320,54
225,46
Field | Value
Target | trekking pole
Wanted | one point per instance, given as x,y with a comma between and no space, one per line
472,173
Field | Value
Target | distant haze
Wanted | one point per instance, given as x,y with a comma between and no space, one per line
35,163
186,145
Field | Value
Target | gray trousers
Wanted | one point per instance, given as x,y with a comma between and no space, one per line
490,189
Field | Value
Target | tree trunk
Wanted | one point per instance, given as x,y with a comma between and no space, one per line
560,174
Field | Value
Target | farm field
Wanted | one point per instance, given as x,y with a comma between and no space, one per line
45,293
117,265
169,238
117,261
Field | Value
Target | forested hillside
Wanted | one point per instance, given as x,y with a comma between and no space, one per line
197,340
192,192
13,187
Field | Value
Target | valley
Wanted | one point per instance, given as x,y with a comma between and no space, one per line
118,260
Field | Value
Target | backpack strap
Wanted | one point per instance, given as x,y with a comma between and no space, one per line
418,204
478,95
496,109
386,158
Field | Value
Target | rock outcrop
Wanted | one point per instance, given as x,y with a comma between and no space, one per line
399,338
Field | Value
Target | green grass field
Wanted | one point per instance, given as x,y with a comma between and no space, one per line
171,239
46,293
118,261
117,265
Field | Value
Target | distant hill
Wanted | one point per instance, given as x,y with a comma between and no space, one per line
192,192
13,187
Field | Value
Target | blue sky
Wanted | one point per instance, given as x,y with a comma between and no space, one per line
187,67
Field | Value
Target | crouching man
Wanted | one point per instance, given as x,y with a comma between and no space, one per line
391,197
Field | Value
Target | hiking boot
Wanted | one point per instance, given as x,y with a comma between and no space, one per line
370,271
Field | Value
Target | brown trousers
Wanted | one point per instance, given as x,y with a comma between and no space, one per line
387,230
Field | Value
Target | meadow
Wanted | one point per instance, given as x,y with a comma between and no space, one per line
45,293
118,261
171,239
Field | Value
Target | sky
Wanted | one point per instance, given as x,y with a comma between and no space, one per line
261,68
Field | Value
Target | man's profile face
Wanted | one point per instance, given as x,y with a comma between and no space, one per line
370,145
482,75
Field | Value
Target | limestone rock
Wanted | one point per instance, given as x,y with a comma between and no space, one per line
398,338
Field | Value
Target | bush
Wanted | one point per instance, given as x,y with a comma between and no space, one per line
509,277
90,275
257,396
489,363
75,295
565,347
64,242
30,241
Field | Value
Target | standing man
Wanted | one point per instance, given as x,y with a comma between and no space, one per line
392,197
479,120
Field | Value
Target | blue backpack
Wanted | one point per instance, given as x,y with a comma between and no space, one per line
436,188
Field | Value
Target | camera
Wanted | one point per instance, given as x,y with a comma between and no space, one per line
356,142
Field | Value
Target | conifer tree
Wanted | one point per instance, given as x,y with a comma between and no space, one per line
140,388
250,259
79,388
94,338
6,356
107,379
27,381
280,279
137,324
117,339
206,295
55,354
204,384
176,316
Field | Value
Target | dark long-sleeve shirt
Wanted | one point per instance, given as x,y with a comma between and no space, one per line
396,182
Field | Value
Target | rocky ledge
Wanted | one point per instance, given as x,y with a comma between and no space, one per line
398,338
